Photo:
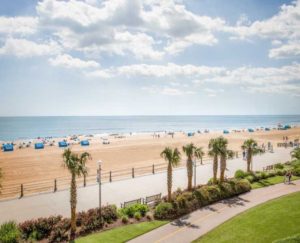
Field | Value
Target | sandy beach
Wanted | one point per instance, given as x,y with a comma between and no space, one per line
28,165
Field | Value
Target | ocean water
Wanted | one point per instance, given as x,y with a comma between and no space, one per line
12,128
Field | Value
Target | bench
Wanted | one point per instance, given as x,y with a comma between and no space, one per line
268,168
152,200
132,202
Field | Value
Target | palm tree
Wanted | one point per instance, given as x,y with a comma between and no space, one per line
199,153
225,154
295,154
251,147
214,152
191,151
75,163
173,159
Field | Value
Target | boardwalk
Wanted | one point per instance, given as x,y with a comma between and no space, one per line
119,191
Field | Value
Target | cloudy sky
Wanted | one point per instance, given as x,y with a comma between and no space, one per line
151,57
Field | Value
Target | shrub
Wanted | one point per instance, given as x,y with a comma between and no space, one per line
226,190
271,174
132,209
109,213
61,231
280,172
279,166
137,215
243,186
263,175
250,178
240,174
291,239
125,219
202,195
296,171
9,232
40,228
163,210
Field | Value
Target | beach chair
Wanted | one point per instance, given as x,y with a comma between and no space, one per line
39,146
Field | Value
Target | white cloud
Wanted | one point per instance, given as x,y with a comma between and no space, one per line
99,74
168,70
26,48
18,25
68,61
288,50
280,28
166,90
120,27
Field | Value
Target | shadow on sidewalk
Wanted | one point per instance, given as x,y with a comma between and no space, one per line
236,201
182,222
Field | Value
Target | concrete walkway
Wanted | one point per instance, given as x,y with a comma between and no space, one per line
196,224
117,192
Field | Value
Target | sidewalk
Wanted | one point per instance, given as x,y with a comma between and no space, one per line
198,223
43,205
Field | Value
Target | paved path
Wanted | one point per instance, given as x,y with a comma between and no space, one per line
47,204
196,224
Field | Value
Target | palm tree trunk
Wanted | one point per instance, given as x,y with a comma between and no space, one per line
189,165
215,168
169,181
73,202
249,158
223,167
201,161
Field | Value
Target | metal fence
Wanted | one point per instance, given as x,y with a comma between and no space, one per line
62,183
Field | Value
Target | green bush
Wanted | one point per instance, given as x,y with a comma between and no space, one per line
163,210
9,232
125,219
296,171
132,209
137,215
271,174
263,175
250,178
240,174
291,239
279,166
280,172
243,186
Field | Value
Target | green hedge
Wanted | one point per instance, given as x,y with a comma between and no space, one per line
9,232
185,202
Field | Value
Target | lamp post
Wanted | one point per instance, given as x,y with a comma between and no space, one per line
99,182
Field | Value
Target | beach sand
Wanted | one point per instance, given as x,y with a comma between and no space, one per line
29,165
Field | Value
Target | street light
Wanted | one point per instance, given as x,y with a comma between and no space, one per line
99,182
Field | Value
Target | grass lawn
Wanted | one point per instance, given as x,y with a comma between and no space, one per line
265,223
123,233
271,181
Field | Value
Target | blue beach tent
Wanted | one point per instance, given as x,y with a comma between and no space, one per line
250,130
62,144
287,127
190,134
85,143
267,129
225,132
39,146
8,147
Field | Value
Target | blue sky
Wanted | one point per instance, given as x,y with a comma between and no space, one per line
151,57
